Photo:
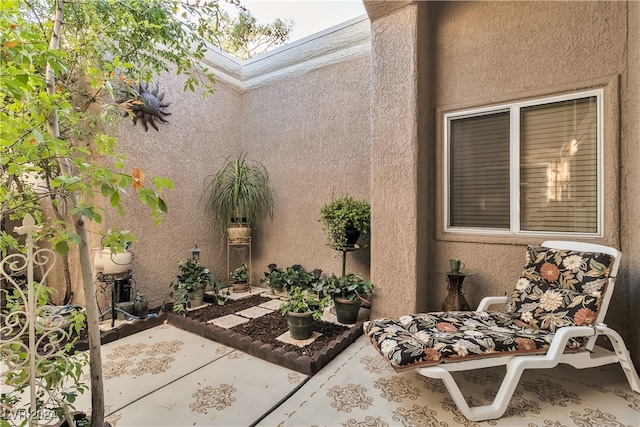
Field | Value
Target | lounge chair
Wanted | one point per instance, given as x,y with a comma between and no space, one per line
554,315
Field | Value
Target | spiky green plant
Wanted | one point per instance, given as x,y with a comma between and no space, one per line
239,192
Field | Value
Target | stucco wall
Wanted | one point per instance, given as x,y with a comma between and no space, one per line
626,303
492,52
200,134
398,257
312,134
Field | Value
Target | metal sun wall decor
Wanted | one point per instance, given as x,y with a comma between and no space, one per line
147,106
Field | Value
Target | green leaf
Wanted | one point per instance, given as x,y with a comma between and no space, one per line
115,199
162,205
74,238
62,247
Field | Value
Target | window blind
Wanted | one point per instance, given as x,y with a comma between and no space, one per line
558,166
479,171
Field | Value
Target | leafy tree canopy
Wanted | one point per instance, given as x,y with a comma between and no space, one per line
243,37
105,47
64,64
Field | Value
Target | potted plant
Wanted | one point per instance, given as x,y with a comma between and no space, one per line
238,196
344,220
303,308
240,277
191,285
296,275
274,278
348,292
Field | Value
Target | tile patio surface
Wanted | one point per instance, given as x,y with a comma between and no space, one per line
165,376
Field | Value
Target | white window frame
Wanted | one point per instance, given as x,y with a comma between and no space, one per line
514,164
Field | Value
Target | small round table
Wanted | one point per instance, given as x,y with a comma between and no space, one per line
456,301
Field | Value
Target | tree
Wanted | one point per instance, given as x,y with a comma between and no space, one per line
244,38
63,64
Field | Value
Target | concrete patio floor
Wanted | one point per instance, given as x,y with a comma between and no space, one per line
165,376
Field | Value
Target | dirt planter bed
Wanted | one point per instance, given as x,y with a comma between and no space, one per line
307,360
305,364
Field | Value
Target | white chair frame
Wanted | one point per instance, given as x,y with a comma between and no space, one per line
591,356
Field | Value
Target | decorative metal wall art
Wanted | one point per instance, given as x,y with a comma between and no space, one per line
147,105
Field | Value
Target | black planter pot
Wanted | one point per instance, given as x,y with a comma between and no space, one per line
81,417
301,325
352,235
346,310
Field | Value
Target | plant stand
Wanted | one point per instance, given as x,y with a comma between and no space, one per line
455,300
117,282
344,251
239,244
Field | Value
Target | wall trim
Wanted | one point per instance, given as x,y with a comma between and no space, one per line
343,42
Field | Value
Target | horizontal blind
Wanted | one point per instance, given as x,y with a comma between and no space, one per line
479,171
558,167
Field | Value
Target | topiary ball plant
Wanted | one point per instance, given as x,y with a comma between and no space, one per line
342,214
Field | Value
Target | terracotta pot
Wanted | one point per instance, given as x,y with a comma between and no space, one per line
239,287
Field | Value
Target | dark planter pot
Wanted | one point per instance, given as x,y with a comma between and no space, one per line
301,325
346,310
352,235
77,416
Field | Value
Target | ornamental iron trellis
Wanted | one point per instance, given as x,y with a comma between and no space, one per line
33,340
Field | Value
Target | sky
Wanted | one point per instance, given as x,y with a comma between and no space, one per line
310,16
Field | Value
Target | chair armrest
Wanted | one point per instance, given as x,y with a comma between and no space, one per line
489,301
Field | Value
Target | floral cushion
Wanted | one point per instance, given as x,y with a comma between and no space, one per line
543,306
585,272
432,338
559,288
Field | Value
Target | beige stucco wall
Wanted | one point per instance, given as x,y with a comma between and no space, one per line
476,67
540,49
478,54
312,134
624,316
200,133
399,261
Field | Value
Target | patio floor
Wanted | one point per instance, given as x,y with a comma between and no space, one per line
165,376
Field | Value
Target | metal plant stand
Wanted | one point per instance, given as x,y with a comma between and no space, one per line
344,251
240,244
114,281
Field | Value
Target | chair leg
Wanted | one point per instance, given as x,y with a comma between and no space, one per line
480,413
623,356
517,365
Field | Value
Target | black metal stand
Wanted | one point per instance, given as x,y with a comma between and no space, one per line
344,251
111,279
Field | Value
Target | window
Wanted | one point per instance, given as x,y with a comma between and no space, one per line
526,167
